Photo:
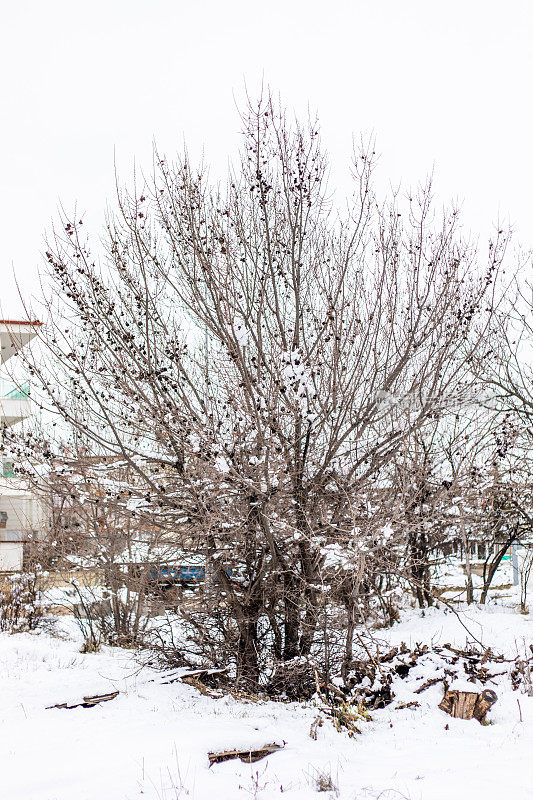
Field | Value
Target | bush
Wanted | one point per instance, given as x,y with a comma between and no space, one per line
20,603
107,617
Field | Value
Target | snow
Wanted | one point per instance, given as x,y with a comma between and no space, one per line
222,464
152,741
462,685
135,503
241,333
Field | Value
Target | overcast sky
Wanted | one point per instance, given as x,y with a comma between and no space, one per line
442,85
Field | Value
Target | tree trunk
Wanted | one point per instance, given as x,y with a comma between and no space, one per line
420,572
468,568
247,663
292,619
348,646
494,564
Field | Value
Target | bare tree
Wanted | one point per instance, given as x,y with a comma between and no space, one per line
503,367
504,361
257,358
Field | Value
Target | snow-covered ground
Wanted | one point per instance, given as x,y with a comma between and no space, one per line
151,742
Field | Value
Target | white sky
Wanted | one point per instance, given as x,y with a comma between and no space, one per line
444,85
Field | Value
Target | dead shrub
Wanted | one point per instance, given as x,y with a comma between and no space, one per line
20,603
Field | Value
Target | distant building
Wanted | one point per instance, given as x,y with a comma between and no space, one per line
21,515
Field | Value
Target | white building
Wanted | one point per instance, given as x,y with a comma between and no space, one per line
21,516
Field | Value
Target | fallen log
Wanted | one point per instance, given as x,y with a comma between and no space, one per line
87,702
178,675
467,704
248,756
484,703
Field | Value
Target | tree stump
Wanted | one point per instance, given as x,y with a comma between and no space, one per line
468,705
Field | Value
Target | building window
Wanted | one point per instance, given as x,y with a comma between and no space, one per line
8,469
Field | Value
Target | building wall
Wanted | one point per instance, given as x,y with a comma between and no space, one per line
25,521
25,517
11,555
22,511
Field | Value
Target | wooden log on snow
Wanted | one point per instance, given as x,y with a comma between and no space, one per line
248,756
87,702
201,674
484,703
468,705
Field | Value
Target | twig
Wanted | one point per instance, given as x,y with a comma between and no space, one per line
367,651
427,684
448,605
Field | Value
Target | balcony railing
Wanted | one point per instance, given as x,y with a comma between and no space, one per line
14,391
14,401
14,536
